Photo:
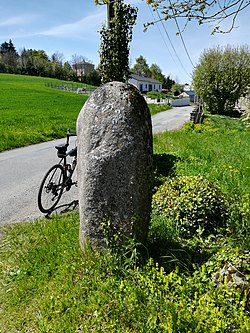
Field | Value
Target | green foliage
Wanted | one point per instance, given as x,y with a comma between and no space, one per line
156,73
222,77
49,285
220,152
155,94
177,89
240,216
92,78
115,39
193,204
156,108
141,67
33,62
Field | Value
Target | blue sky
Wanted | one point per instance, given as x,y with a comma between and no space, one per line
71,27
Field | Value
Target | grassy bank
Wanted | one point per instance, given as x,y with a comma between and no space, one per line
31,112
156,108
48,285
219,149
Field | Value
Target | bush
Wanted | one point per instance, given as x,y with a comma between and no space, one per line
193,204
155,94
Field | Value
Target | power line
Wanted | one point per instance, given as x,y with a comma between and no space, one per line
182,39
172,44
164,41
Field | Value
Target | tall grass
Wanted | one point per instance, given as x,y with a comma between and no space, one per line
31,112
219,149
49,285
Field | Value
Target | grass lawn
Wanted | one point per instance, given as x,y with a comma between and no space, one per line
156,108
32,112
48,285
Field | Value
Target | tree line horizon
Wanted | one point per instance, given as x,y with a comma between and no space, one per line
34,62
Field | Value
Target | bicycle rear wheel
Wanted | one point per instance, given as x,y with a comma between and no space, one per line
51,188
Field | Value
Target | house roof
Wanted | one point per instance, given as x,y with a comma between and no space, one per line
82,63
144,79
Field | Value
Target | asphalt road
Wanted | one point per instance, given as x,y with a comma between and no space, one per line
172,119
22,169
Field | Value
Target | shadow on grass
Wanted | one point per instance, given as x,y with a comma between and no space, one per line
164,166
65,208
172,254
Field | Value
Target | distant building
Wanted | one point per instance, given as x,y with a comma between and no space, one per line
188,90
83,68
145,84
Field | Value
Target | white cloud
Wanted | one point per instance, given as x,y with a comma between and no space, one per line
84,27
18,20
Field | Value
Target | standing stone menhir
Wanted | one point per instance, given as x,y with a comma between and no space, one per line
114,137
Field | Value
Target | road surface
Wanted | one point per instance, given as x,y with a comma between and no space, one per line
171,119
22,169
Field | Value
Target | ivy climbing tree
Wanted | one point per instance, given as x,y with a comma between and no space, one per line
115,39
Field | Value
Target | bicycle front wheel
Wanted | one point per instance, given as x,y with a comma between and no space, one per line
51,188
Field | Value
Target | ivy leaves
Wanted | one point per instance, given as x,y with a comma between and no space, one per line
114,48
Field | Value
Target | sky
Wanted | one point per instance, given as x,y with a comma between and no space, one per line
72,27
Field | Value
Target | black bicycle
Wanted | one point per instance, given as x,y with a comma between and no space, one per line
58,179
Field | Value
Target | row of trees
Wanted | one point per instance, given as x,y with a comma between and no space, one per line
38,63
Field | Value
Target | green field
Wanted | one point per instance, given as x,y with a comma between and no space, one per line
172,284
31,112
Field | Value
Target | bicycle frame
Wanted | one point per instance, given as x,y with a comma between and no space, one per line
58,178
63,154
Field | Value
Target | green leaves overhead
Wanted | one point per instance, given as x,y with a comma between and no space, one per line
203,11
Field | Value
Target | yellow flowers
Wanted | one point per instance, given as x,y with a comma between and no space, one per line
232,169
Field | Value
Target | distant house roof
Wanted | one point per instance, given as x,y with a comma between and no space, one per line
144,79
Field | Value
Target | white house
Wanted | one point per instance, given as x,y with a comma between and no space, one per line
145,84
189,90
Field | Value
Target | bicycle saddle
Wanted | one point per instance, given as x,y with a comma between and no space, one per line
62,150
62,146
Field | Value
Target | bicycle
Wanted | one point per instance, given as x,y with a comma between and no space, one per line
58,179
